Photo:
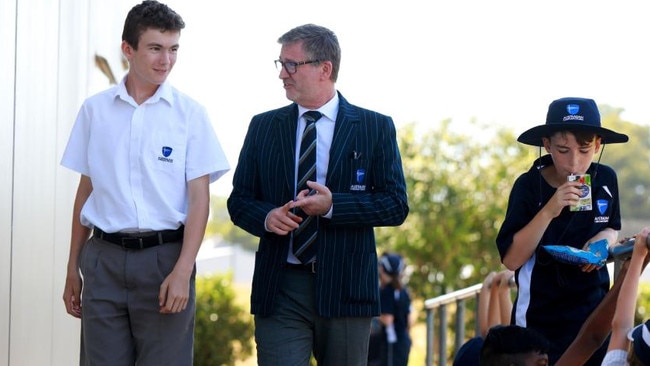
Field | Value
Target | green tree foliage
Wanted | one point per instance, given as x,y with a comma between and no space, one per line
458,186
220,224
643,303
223,329
632,164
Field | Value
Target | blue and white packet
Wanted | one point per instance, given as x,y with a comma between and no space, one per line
597,253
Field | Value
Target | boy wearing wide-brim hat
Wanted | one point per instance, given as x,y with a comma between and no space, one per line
555,298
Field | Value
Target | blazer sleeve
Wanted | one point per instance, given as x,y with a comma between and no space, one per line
258,182
372,150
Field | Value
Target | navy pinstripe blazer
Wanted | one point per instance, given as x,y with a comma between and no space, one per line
367,191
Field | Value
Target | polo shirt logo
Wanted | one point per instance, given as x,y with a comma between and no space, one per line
602,209
602,206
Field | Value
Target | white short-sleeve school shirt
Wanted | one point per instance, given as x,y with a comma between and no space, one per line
140,157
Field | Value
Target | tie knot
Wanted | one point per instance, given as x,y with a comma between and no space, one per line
312,116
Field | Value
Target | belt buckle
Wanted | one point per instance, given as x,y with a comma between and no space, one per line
128,243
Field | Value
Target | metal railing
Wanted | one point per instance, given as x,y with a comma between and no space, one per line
458,297
617,254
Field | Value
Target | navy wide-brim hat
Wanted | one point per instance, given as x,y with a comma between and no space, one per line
392,263
571,114
640,337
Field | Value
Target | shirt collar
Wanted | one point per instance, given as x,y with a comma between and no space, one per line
164,92
329,109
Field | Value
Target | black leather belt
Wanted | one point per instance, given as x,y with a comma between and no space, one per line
141,240
309,267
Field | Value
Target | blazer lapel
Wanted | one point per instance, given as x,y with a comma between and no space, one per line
287,122
345,130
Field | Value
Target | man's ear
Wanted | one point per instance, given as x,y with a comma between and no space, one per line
326,69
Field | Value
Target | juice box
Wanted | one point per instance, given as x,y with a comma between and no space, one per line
584,201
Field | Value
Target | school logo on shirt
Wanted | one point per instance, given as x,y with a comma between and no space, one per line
166,152
602,208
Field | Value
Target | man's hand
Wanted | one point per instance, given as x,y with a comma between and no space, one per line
315,201
281,220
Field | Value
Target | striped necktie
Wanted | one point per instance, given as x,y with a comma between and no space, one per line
304,236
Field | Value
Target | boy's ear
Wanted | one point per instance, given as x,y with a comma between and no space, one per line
127,50
547,144
597,144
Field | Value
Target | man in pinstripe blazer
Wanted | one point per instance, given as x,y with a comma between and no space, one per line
322,306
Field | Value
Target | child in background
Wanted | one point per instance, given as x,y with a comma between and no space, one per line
507,345
494,308
394,342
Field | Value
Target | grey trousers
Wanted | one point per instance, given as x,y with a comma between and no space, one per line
120,323
294,330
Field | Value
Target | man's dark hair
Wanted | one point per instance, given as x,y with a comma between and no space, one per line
509,344
149,14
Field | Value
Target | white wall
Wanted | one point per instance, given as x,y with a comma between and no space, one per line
46,71
7,34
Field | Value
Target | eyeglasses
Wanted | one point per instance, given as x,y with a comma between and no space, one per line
292,66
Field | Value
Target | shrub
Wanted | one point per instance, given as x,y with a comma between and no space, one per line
223,329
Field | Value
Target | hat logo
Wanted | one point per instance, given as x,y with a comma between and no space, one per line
573,108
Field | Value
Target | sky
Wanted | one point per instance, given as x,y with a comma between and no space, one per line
496,62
